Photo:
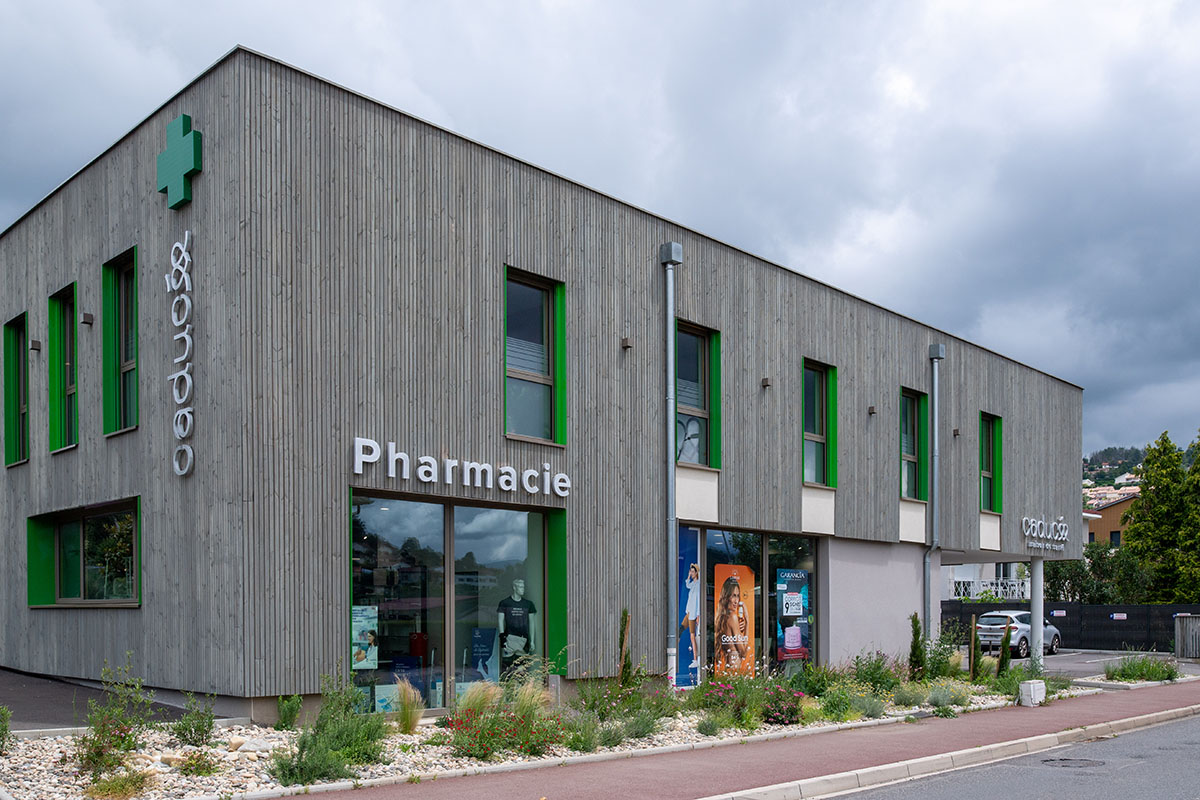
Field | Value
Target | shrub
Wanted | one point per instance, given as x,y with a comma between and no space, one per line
987,668
289,712
910,694
713,722
121,785
199,762
810,711
583,733
815,679
944,711
409,705
357,738
876,670
955,664
626,666
195,727
1142,667
529,698
949,693
976,653
640,725
115,727
5,732
869,705
611,734
310,761
836,704
1005,651
782,704
606,698
480,697
916,650
939,655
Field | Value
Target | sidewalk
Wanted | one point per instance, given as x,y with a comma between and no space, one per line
702,773
39,703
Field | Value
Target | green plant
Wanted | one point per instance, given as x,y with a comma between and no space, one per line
583,732
940,651
976,653
529,698
310,761
289,712
916,650
814,679
1005,651
782,704
480,697
910,694
640,725
352,736
409,705
611,734
836,703
120,785
869,705
949,693
713,722
944,711
876,670
1142,667
115,726
986,669
199,762
195,726
5,732
626,668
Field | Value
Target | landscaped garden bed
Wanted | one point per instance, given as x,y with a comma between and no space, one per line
124,754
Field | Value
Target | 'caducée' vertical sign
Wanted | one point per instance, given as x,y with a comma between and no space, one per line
176,166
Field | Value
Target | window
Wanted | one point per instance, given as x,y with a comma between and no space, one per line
914,445
120,343
16,391
85,557
63,341
990,463
535,397
1091,536
820,424
1114,539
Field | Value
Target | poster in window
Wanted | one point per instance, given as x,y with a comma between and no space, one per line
364,637
792,629
733,620
690,591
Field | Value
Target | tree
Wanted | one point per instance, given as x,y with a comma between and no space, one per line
1163,524
1067,581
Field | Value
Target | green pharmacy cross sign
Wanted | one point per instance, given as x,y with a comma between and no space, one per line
179,162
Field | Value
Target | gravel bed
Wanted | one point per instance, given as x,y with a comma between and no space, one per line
45,769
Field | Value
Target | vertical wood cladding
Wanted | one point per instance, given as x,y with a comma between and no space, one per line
350,262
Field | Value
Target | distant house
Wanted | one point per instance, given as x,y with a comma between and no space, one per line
1128,477
1107,527
1088,482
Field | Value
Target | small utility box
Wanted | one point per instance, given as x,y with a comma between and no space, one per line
1032,693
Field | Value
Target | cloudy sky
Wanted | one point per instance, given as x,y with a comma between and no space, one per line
1026,175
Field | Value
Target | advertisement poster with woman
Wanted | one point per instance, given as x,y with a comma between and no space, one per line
690,589
733,620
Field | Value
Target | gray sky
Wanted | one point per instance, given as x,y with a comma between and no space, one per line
1026,175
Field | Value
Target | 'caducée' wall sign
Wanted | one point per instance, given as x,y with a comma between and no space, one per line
179,285
1041,535
452,470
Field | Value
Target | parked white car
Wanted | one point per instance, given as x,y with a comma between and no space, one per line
990,628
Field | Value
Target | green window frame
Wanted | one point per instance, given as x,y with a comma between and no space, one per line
819,403
120,368
16,390
535,357
86,556
914,445
697,395
63,342
991,463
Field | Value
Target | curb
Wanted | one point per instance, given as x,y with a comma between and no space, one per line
825,785
1117,686
50,733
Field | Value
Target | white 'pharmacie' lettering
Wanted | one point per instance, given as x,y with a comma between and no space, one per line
179,283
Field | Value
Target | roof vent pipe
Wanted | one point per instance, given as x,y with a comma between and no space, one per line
670,255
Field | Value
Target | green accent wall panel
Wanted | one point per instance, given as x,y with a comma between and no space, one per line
923,447
16,359
111,383
831,427
559,315
714,400
998,465
556,591
39,565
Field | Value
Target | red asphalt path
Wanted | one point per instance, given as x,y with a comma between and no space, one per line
699,773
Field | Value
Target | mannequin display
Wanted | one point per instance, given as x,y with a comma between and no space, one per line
516,623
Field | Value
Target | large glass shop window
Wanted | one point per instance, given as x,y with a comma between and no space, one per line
498,588
734,604
790,576
398,613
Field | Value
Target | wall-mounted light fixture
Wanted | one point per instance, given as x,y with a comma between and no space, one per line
34,344
626,342
766,382
87,319
871,410
956,431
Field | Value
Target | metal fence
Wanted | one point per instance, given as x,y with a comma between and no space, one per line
1187,635
1093,627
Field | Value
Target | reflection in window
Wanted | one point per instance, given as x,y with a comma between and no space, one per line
498,590
397,617
96,557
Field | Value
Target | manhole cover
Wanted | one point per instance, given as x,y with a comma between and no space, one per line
1072,763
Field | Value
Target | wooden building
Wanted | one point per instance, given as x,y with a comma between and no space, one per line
294,379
